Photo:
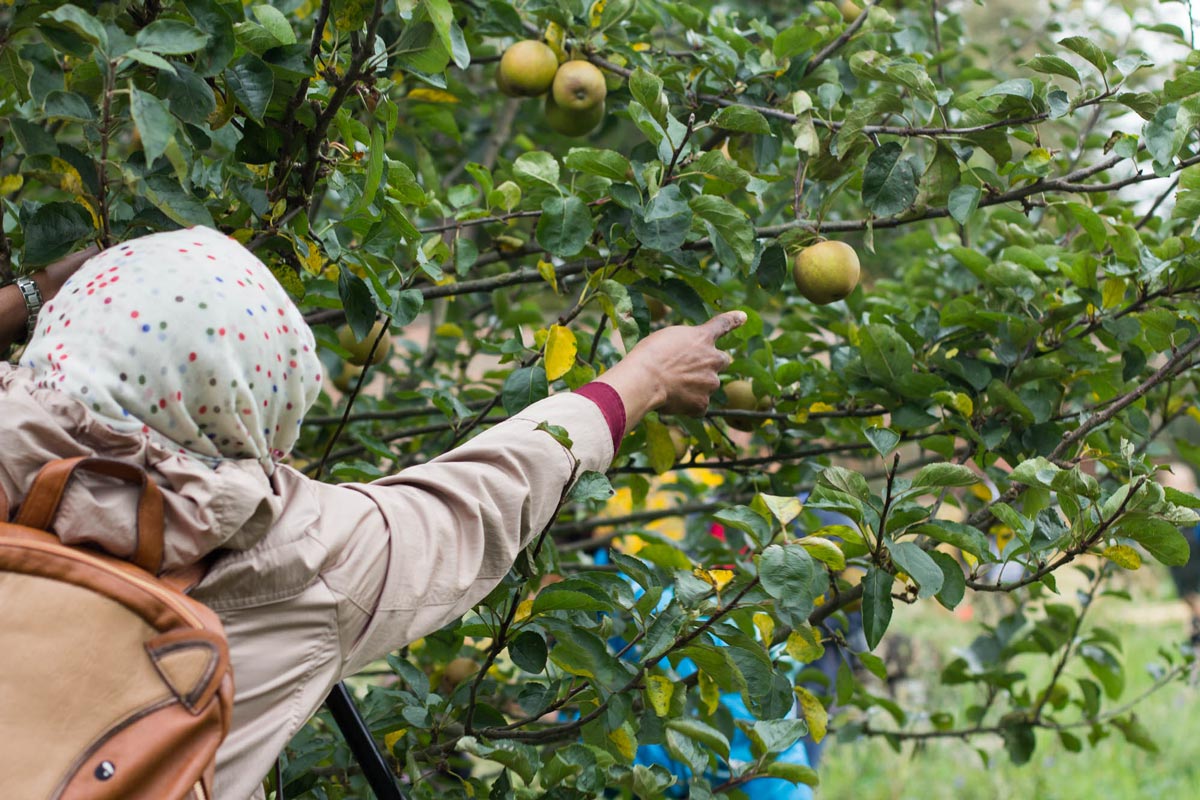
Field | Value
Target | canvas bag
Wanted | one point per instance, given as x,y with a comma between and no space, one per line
113,682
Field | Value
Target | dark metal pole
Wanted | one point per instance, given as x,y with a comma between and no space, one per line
362,745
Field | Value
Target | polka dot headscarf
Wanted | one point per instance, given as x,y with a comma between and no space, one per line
183,335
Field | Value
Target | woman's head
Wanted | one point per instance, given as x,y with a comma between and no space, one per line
187,336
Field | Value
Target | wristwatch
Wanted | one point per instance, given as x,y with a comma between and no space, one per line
33,303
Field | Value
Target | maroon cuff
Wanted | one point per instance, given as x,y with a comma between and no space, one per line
611,406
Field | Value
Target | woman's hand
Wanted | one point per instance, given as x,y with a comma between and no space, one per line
675,369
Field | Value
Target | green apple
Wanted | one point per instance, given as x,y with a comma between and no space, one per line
359,350
527,69
573,123
826,272
579,86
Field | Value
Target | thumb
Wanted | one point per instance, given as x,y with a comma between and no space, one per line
722,324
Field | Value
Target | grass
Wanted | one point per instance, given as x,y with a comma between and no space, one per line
981,770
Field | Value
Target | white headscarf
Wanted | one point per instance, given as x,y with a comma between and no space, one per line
186,336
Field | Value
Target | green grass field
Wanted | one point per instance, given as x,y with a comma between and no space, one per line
1113,770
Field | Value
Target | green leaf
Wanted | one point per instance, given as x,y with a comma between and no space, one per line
252,83
786,572
963,201
1035,472
848,481
188,95
1091,53
954,583
275,22
793,773
565,225
770,736
729,223
154,122
741,119
666,222
1020,741
918,565
358,303
660,449
556,597
824,551
82,23
889,182
884,440
1161,539
1017,87
886,355
965,537
701,732
170,37
517,756
537,166
583,653
938,475
592,486
54,230
528,651
68,105
646,88
1053,65
441,14
877,605
177,202
746,520
524,386
592,161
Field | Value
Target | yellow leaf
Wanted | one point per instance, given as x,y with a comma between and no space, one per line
429,95
962,404
817,408
597,12
641,47
560,352
310,255
546,270
390,739
524,610
1004,535
981,490
765,624
1123,556
1194,413
449,329
11,183
556,38
710,693
659,689
804,644
814,714
716,578
624,741
1112,293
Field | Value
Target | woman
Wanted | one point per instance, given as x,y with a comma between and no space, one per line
179,352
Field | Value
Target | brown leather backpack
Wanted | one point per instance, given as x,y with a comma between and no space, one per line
113,682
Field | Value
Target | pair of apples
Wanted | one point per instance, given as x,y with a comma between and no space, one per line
575,91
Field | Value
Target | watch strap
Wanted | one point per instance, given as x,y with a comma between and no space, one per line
33,303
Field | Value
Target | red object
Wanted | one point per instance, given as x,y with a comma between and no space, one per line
611,406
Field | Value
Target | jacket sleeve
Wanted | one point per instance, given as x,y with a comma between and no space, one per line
455,525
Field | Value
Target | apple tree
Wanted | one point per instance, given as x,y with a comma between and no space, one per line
986,412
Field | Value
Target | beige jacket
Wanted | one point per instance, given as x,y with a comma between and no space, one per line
313,581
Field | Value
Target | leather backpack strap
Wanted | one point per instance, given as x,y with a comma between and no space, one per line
44,497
